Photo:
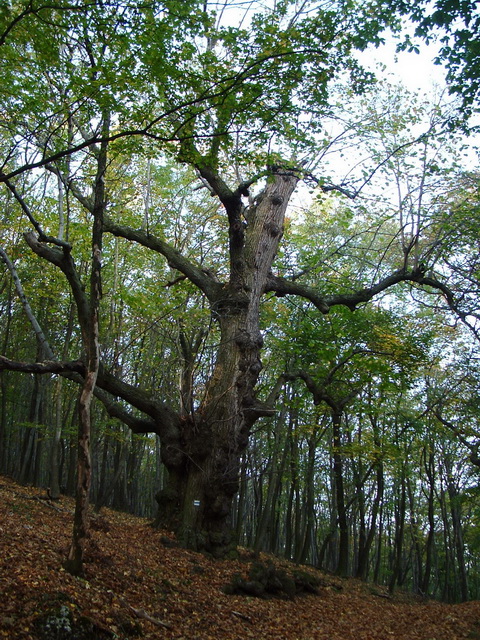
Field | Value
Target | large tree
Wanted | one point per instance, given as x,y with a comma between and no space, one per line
238,95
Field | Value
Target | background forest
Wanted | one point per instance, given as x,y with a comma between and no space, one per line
264,264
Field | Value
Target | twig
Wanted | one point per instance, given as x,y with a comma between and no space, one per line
381,595
242,616
140,613
48,502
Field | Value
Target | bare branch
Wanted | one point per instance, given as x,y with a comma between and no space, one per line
63,259
41,338
282,287
47,366
85,201
43,237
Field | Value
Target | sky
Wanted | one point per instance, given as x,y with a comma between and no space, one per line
416,70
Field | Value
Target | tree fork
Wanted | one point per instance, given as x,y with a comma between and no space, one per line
220,426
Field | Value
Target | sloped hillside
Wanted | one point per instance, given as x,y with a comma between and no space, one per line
140,585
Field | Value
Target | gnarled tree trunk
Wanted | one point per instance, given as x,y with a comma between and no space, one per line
204,463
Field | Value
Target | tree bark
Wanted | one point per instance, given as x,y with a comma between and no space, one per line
400,507
343,544
307,547
275,474
90,333
204,463
456,515
429,544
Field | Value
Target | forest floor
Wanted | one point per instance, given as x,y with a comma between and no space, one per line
138,585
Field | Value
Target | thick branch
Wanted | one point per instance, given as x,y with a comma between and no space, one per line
163,420
64,261
319,392
365,295
282,287
266,408
75,370
160,420
25,208
218,186
232,201
137,424
311,385
175,259
473,447
47,366
138,398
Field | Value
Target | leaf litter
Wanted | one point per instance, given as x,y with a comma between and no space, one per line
138,584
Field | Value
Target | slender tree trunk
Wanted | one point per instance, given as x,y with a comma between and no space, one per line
133,473
292,526
417,552
292,451
74,563
456,516
400,507
362,555
30,443
57,434
380,541
118,483
448,546
3,422
55,444
375,509
70,483
3,385
102,475
274,479
308,536
343,545
239,524
57,431
109,487
429,545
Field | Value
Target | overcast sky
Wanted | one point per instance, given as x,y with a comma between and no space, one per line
416,70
